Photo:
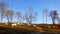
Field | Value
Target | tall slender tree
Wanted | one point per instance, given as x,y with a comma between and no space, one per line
3,14
19,16
45,13
2,5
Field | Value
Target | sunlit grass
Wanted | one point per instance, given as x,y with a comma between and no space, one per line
21,27
30,28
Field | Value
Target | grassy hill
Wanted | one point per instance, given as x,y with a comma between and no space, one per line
29,28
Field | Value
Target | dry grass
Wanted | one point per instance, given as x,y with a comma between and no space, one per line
42,28
21,27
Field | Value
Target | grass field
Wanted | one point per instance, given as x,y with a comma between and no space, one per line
36,28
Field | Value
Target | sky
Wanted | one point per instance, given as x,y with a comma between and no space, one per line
37,5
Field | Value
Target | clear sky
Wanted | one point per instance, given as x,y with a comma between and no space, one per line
37,5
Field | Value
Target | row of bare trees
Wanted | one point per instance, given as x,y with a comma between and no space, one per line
30,16
8,15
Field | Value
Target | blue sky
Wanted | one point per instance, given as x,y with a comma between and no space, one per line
37,5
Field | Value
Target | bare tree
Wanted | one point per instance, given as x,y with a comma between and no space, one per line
54,16
2,5
35,17
30,15
18,16
3,14
9,15
22,19
45,13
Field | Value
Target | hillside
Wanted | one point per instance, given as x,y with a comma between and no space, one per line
26,29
